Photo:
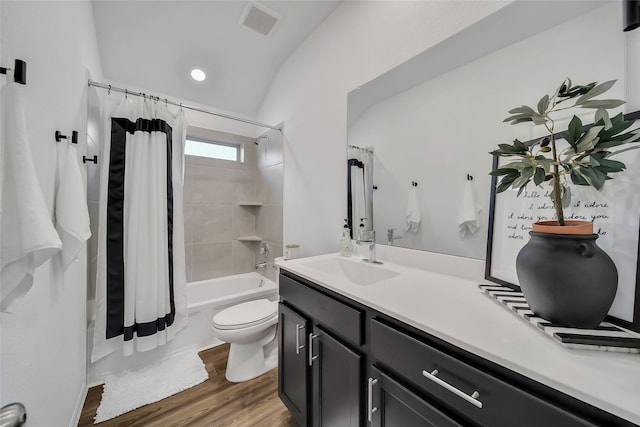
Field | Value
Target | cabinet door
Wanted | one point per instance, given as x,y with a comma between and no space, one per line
389,404
336,381
293,375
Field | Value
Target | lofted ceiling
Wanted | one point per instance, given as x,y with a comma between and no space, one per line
154,44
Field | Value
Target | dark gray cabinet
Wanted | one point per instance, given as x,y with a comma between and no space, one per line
320,370
343,364
292,363
390,404
460,388
336,381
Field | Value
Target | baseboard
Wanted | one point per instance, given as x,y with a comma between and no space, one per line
215,343
95,383
79,405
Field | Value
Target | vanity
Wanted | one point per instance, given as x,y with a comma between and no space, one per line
396,345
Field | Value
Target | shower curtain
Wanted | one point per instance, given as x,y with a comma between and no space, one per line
140,280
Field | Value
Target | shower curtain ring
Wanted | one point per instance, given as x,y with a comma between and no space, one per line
181,106
166,103
126,94
109,92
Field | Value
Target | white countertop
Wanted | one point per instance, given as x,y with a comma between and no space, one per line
456,310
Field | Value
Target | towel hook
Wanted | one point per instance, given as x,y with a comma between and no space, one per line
414,184
19,71
74,136
469,177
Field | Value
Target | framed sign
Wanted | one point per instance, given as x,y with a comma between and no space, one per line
614,211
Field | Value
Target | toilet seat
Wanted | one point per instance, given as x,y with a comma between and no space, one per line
245,315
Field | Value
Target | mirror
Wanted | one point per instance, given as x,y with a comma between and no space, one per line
432,120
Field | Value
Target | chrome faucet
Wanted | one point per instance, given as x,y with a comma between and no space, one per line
368,237
390,237
264,250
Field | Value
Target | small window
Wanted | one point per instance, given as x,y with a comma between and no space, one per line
212,150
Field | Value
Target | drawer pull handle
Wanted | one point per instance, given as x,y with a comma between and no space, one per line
370,408
298,346
473,399
311,356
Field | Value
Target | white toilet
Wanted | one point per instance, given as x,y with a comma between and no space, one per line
248,327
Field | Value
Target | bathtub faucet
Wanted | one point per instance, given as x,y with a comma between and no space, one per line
261,265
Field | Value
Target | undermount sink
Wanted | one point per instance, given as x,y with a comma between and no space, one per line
355,271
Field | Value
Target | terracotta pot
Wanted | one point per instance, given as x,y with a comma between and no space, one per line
567,279
570,227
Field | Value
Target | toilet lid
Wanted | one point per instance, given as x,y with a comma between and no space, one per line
246,314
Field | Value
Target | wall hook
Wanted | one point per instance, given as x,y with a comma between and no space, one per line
19,71
469,177
414,184
86,159
74,136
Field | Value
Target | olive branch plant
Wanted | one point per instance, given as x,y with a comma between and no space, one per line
586,161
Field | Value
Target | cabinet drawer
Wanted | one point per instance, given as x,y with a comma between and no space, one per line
393,405
341,319
483,398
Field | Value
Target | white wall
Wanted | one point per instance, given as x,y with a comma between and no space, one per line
359,41
43,341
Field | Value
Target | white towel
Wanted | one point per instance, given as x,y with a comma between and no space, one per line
412,214
72,213
26,231
469,217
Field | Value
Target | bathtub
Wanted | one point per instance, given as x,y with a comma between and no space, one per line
229,290
204,299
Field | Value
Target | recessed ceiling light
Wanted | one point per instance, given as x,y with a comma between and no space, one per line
198,75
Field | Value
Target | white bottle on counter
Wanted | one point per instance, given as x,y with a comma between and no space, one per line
346,246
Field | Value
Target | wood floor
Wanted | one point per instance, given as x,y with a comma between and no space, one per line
214,403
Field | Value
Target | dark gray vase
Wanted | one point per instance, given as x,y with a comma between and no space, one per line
567,279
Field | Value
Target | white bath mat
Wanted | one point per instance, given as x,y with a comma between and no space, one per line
127,391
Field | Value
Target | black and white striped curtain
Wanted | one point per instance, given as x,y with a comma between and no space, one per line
140,283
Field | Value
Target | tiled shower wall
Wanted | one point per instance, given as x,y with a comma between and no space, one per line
214,218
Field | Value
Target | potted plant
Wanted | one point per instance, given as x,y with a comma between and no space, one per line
565,277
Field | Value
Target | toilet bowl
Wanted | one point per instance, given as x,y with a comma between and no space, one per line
248,327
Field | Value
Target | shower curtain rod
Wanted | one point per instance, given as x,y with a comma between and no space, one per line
179,104
368,150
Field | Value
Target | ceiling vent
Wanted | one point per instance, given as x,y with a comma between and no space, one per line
259,18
